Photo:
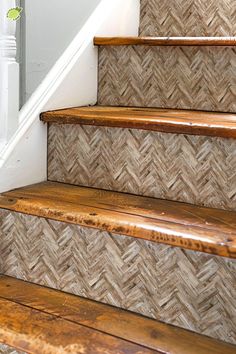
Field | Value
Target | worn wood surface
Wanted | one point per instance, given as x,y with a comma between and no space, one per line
110,320
177,224
166,41
37,332
162,120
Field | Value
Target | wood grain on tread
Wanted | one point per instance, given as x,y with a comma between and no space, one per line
166,41
37,332
162,120
110,320
178,224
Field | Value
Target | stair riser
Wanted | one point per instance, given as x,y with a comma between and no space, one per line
189,289
188,18
198,78
193,169
9,350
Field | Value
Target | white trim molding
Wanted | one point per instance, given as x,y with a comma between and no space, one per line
9,74
71,82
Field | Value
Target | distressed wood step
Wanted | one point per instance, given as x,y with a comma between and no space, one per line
35,329
162,120
53,309
178,224
166,41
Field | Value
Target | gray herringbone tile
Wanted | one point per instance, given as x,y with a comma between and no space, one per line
199,78
188,18
5,349
188,289
193,169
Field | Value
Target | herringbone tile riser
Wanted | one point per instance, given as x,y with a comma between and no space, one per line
188,289
193,169
188,18
5,349
199,78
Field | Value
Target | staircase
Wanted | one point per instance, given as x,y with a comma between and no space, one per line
139,210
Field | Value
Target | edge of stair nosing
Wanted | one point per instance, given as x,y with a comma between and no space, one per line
192,237
158,123
165,41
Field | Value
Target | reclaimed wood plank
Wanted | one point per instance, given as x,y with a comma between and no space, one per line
110,320
162,120
178,224
166,41
37,332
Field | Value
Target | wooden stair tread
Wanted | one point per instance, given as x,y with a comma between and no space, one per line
178,224
35,329
166,41
54,308
163,120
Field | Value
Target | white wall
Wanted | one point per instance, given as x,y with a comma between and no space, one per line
50,26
